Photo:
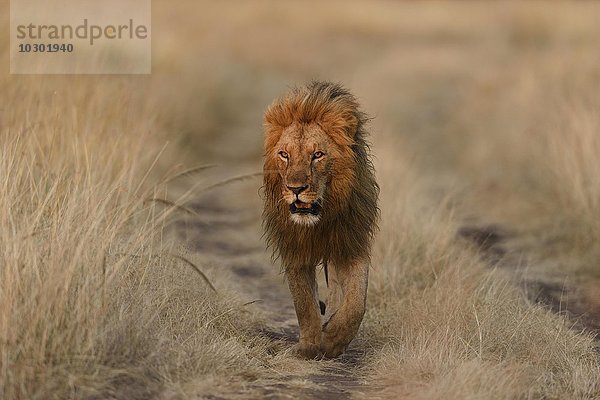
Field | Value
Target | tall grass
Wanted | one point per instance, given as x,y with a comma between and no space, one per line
572,146
532,151
91,304
67,193
445,326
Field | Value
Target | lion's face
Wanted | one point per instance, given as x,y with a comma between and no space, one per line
304,154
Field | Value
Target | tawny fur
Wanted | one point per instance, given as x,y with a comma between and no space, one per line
342,236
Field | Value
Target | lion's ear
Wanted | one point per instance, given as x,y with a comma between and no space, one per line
277,117
328,104
351,120
272,135
341,126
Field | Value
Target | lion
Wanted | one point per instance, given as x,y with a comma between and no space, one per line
320,207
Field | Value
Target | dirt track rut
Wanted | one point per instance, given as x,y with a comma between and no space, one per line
505,249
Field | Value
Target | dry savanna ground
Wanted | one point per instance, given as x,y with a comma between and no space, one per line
132,270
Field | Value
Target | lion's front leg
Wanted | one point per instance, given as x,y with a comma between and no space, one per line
303,286
348,294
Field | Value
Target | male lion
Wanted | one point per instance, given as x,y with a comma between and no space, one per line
321,206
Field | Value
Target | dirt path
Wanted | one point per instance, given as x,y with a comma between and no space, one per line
228,235
510,250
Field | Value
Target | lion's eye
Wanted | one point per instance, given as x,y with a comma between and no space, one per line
318,154
283,154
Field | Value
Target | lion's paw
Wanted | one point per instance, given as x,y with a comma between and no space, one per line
307,351
332,349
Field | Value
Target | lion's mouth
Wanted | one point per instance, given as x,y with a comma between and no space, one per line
299,207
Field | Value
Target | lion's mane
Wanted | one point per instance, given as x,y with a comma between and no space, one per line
350,212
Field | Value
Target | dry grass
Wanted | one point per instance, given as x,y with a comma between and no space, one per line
477,114
92,304
570,154
445,326
523,138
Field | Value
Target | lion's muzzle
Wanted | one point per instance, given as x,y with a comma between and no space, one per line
299,207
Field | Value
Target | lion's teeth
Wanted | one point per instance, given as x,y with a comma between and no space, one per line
300,204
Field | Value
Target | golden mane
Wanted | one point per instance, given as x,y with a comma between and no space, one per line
348,223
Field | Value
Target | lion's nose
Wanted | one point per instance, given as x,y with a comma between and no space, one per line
297,189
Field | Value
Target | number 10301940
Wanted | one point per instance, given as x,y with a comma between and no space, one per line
45,48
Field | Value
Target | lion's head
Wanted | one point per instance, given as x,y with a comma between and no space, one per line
317,173
304,156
